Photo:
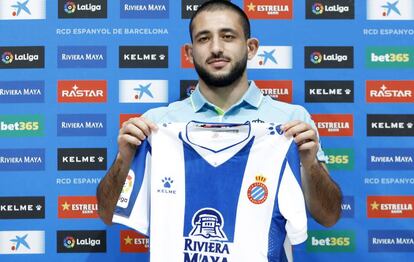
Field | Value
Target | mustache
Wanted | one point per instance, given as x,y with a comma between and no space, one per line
218,57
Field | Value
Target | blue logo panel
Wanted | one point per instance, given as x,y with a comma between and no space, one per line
144,9
390,158
81,57
348,207
81,125
22,91
391,241
22,159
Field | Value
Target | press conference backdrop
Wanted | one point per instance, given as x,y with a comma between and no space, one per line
73,70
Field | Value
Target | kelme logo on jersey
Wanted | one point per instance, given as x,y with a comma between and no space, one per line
22,207
154,9
391,241
167,186
30,159
82,8
340,158
21,125
347,207
22,91
334,124
22,57
22,9
268,9
22,242
81,241
81,56
77,207
390,91
207,236
258,192
143,56
390,57
187,87
390,158
329,57
133,242
390,206
390,10
82,159
143,91
81,124
280,90
330,241
189,7
329,91
330,9
82,91
390,125
272,57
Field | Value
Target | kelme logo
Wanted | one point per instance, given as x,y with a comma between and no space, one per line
390,57
330,241
21,125
340,158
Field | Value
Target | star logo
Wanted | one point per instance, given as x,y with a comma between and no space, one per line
21,6
20,241
391,8
143,89
75,87
128,240
251,7
374,205
65,206
267,56
383,87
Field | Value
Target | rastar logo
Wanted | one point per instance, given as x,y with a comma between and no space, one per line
330,241
390,57
268,9
82,91
77,207
334,124
389,91
280,90
390,206
133,242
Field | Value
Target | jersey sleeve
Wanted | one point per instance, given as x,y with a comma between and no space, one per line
290,198
133,206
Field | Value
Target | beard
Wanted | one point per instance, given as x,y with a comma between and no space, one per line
222,80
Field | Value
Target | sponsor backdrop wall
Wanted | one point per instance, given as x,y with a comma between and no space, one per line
73,70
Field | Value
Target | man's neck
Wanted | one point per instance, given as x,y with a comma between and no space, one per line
226,96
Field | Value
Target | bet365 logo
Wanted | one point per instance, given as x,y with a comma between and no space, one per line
21,125
390,57
330,241
340,158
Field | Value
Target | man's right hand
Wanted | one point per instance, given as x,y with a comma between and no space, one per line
131,135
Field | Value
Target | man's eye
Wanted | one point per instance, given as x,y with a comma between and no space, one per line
228,37
203,39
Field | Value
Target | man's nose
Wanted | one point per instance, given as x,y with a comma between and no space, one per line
217,45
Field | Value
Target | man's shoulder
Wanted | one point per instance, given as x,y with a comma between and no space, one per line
165,113
292,110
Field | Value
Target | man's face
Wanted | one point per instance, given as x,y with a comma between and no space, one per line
219,49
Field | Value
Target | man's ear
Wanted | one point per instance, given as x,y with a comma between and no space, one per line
252,47
188,48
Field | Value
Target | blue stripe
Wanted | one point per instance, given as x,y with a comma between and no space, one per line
260,196
138,166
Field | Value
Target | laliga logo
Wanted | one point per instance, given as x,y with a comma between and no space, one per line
316,57
317,8
7,58
69,242
70,7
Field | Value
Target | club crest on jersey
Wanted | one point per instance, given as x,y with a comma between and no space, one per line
257,192
208,223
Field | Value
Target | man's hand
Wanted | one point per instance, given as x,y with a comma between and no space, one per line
323,196
131,135
306,138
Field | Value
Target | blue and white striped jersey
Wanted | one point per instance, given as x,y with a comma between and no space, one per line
215,192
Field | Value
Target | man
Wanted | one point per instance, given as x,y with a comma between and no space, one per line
221,46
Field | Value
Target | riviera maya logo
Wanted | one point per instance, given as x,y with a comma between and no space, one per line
70,7
317,8
69,242
316,57
7,58
208,223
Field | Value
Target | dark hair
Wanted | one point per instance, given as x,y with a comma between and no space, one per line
215,5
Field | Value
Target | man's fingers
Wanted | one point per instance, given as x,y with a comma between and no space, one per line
297,129
308,145
129,139
290,124
133,130
149,123
309,135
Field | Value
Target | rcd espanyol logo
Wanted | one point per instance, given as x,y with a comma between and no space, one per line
208,223
257,192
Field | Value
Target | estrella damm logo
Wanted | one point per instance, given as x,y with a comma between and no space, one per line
21,125
330,241
340,158
390,57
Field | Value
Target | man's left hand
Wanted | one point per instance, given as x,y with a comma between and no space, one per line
306,138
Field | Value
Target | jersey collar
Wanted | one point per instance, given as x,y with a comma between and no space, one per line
252,97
